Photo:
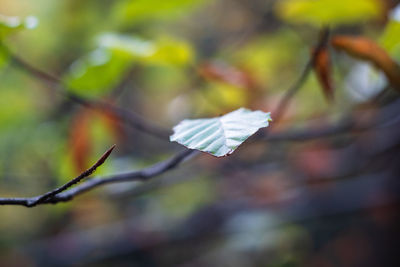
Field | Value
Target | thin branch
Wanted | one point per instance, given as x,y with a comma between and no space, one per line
283,103
74,181
355,122
342,127
63,196
132,119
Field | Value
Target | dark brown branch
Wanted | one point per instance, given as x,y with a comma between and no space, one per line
130,118
355,122
283,103
74,181
62,196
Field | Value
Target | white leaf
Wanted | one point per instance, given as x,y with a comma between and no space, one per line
220,136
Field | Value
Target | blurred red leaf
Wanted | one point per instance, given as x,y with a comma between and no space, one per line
366,49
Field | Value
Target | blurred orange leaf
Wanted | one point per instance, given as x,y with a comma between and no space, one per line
219,71
79,140
322,68
366,49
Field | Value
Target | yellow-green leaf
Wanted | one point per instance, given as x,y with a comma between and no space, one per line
331,12
390,39
162,51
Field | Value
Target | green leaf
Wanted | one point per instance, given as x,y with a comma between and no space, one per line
96,73
220,136
331,12
12,24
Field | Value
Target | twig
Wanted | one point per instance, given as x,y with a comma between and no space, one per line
350,122
33,201
63,196
343,126
74,181
283,103
132,119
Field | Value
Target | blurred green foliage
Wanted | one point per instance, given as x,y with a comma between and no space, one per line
3,57
94,44
101,70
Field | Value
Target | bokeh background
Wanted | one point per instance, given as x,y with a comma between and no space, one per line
286,201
